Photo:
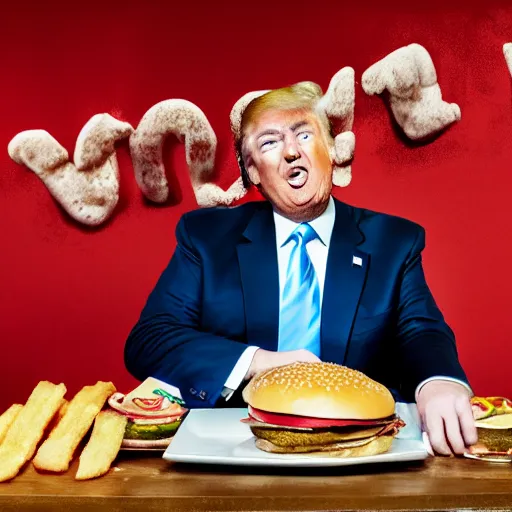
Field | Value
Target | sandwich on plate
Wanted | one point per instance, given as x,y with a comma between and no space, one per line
320,409
493,420
155,411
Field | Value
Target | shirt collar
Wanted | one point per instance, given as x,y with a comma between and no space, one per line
323,225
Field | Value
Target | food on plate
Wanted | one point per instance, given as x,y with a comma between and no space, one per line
7,418
103,446
28,428
154,411
493,420
56,452
321,409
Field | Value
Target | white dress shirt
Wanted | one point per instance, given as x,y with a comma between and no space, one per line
318,250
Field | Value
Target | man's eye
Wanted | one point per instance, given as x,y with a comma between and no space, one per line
267,144
304,136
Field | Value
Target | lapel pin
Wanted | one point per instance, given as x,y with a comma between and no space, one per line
356,260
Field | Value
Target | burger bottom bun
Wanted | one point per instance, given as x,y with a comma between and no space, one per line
378,445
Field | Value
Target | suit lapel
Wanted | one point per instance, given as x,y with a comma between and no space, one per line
346,272
257,257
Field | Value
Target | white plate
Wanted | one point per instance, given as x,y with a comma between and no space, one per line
216,436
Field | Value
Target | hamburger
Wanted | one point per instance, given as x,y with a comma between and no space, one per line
321,409
493,420
154,412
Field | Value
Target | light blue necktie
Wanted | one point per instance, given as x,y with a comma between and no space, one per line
299,316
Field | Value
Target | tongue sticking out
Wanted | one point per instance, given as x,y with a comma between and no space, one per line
298,177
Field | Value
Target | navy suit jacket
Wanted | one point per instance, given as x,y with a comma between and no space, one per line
220,292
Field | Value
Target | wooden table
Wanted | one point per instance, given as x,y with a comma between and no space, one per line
142,482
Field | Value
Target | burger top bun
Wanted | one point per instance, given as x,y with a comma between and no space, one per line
319,390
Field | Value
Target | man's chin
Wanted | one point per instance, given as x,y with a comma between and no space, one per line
302,209
306,203
303,197
301,205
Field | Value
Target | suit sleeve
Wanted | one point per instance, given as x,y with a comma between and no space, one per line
167,342
426,343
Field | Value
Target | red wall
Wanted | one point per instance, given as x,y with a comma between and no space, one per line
69,296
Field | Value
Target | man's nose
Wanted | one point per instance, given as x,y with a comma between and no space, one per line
291,152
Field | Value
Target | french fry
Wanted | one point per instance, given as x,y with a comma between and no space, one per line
60,413
103,446
57,451
7,418
28,428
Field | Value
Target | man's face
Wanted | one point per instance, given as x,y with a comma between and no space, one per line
287,154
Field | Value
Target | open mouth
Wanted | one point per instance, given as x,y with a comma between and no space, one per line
297,177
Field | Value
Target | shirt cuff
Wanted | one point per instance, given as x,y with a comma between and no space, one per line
441,377
238,373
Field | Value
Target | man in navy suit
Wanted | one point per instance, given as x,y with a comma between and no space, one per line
299,277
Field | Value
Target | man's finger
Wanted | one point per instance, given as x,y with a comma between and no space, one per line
436,435
467,422
453,433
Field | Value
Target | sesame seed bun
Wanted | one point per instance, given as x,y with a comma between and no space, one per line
319,390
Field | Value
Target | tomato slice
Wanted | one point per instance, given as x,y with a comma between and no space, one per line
288,420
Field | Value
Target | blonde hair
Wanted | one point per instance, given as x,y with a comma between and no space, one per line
300,96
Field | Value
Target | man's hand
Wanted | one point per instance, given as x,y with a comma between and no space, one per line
446,414
266,359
